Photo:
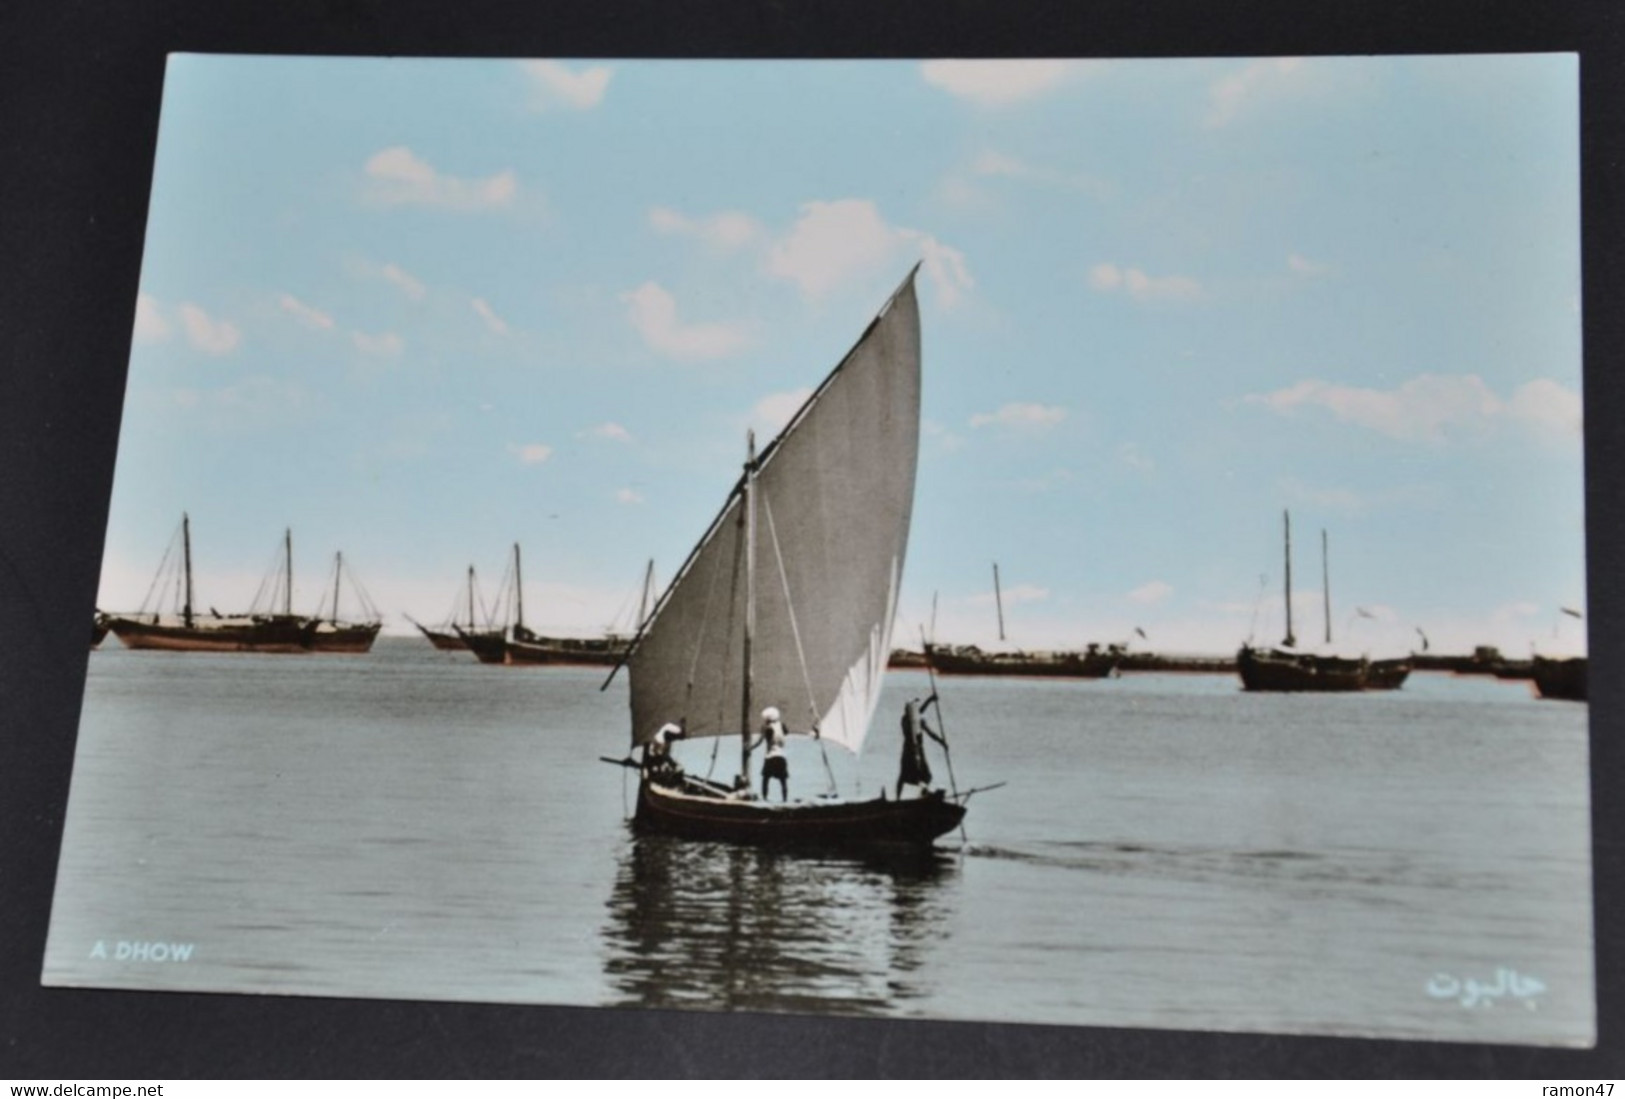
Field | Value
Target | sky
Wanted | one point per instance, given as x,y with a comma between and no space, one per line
420,310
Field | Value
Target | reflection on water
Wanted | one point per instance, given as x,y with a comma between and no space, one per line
740,928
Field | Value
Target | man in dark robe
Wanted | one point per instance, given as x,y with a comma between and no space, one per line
914,769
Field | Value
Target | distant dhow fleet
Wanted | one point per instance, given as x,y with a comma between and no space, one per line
172,618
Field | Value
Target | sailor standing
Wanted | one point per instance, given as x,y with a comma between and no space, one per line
914,769
775,765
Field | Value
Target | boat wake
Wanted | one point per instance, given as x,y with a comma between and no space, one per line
1332,869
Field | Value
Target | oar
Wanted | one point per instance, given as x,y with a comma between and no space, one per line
947,755
942,726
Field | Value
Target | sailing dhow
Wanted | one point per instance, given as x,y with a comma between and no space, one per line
328,632
448,637
186,629
1288,668
786,607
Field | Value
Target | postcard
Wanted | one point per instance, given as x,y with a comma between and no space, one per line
1053,541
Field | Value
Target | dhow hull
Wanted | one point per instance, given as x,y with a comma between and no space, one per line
1287,672
911,822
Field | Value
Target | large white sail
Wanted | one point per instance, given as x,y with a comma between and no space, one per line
833,497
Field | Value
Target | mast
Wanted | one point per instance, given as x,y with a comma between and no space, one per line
747,521
186,548
648,588
338,568
1326,584
287,557
1286,518
998,599
518,591
471,597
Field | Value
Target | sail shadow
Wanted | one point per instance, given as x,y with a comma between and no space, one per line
717,926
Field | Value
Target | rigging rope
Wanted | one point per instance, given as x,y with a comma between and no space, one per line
795,632
163,564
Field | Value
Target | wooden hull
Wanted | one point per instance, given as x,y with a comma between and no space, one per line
1561,679
563,650
1071,665
1387,675
844,825
489,647
445,642
1280,671
331,638
278,634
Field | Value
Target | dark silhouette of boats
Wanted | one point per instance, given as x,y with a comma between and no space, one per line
448,637
98,629
600,651
1389,674
490,645
532,648
787,604
1560,678
1094,662
1283,669
1192,664
186,629
514,643
1286,668
328,632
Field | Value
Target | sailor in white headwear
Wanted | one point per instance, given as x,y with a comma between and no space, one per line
657,759
775,765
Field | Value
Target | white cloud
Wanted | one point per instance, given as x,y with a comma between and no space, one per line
307,315
385,345
612,431
214,337
1151,593
1229,95
835,243
409,286
1301,265
556,85
150,326
773,412
1021,417
1547,407
488,315
653,312
832,243
725,231
532,453
398,177
1436,407
628,496
1000,83
1109,278
946,270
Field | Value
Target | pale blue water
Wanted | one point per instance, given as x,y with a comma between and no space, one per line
1168,852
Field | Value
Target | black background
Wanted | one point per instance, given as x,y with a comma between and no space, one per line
79,98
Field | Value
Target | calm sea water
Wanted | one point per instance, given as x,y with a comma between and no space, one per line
1168,852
